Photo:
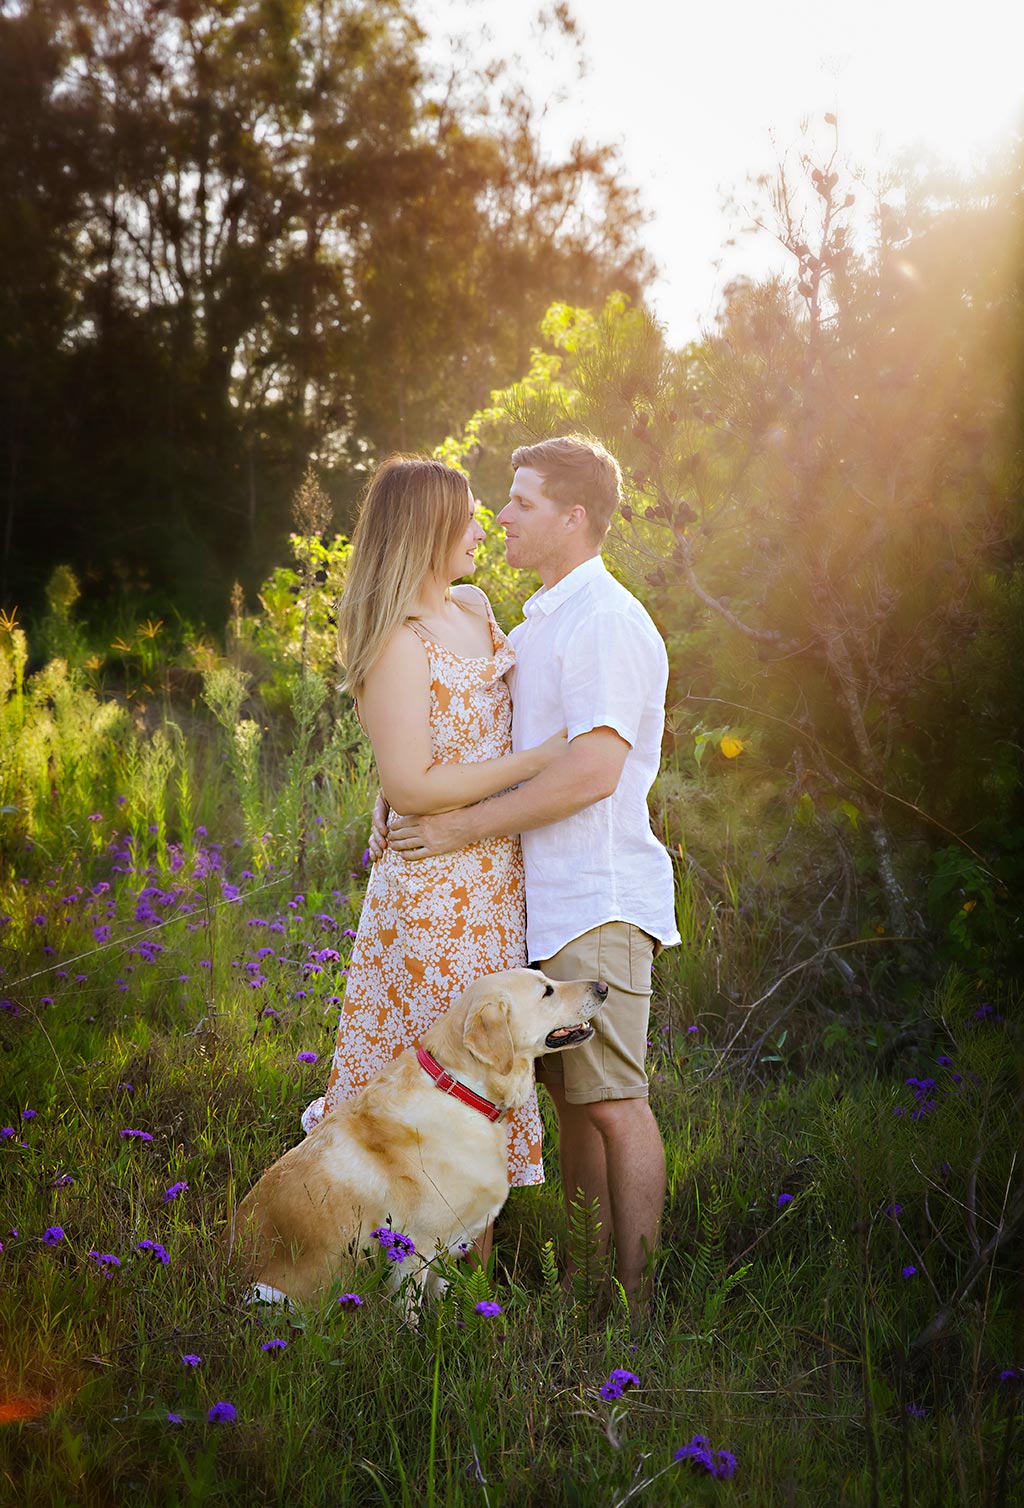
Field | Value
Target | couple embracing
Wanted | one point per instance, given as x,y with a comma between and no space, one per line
516,774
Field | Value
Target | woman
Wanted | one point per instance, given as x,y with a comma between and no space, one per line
426,663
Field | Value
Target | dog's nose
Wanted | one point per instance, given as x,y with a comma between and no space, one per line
600,988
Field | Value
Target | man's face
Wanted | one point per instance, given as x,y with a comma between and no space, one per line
534,526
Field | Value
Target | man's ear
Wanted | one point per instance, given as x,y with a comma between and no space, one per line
487,1036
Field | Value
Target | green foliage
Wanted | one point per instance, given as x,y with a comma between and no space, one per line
761,1312
822,514
588,1265
297,624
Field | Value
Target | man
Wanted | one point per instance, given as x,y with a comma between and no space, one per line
599,899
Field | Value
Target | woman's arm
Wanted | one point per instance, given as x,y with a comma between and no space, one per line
394,704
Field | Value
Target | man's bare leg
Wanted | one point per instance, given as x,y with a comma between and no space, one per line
582,1161
612,1150
479,1253
636,1186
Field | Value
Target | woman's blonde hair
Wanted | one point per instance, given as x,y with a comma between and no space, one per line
411,517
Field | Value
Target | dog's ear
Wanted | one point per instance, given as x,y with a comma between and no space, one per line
487,1036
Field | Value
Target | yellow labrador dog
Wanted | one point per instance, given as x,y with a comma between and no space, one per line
421,1149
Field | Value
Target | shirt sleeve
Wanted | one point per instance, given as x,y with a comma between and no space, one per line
613,673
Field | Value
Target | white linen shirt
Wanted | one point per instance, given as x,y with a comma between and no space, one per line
588,656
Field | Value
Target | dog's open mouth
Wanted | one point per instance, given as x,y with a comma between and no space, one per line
568,1036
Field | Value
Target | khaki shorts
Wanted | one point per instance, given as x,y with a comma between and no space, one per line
610,1066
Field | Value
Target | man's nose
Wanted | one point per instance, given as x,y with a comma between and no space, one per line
500,517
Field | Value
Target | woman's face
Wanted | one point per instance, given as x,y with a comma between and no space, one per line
463,562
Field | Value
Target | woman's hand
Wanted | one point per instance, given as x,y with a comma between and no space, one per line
552,747
378,840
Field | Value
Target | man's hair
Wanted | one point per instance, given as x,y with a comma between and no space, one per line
575,470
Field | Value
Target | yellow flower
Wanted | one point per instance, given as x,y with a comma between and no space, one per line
731,746
968,905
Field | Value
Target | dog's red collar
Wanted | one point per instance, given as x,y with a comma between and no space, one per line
446,1081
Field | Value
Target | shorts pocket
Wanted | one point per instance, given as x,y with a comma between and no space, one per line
641,957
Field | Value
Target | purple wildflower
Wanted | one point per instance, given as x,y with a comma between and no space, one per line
159,1252
350,1301
783,1200
53,1235
915,1411
307,1057
174,1419
488,1308
618,1381
63,1181
273,1345
191,1359
717,1463
894,1211
725,1465
28,1115
105,1258
128,1135
698,1452
908,1272
397,1246
174,1190
222,1413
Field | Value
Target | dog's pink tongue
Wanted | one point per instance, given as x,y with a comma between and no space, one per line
562,1031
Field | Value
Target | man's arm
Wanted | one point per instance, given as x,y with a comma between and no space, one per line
588,771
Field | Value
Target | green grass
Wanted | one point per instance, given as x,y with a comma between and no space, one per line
782,1334
786,1334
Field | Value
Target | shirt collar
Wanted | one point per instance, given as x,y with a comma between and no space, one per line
549,599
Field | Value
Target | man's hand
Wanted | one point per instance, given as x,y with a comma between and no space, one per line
379,827
426,837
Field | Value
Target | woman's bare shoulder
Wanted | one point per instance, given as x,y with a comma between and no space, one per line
472,597
404,650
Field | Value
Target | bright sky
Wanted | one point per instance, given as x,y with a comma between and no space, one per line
694,94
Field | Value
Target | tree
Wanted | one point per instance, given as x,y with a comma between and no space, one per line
274,236
823,508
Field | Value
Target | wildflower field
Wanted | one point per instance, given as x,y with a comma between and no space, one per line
837,1298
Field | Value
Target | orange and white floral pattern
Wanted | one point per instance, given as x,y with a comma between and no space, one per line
429,928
